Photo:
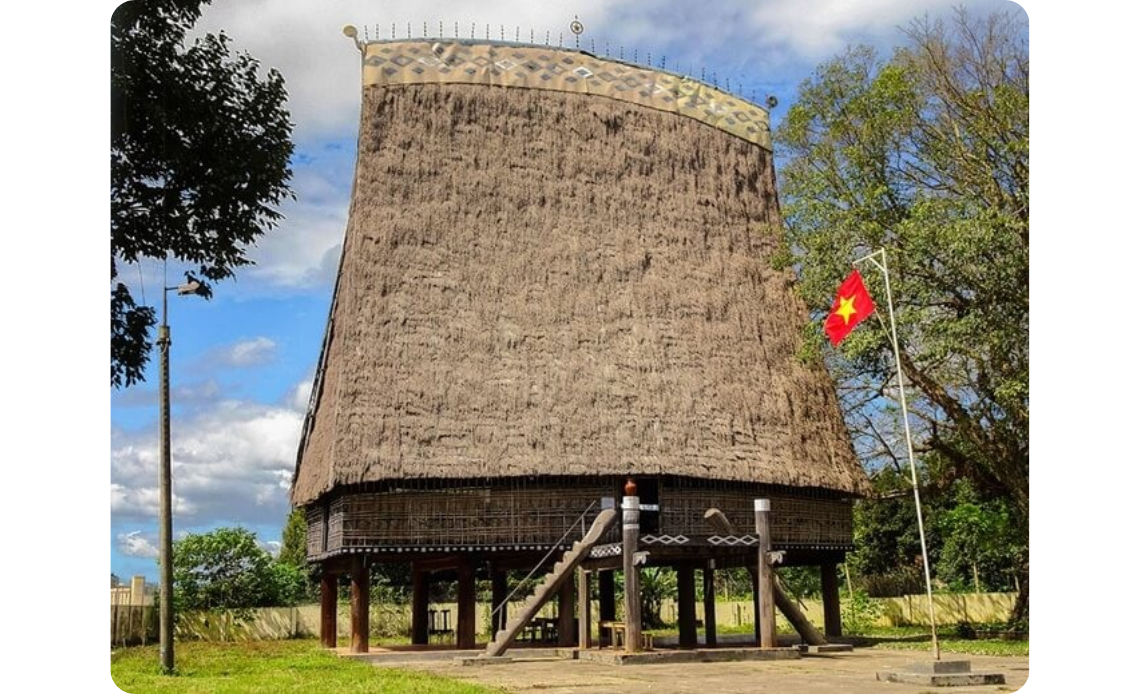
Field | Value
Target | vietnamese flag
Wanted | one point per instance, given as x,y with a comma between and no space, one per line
852,305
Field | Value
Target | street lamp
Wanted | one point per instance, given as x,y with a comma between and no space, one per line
165,522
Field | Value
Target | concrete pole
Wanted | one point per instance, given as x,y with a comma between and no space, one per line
765,598
165,522
631,513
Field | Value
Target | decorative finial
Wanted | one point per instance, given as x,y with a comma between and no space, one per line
630,487
576,28
772,101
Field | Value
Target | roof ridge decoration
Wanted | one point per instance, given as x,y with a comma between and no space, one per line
505,64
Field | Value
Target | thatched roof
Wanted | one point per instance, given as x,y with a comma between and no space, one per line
538,282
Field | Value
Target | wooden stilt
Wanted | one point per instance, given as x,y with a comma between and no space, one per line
420,624
631,513
465,620
498,595
829,583
566,614
607,604
686,606
360,587
764,578
583,608
709,578
328,609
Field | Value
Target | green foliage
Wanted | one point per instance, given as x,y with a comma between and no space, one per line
925,153
657,584
978,535
226,569
200,148
859,613
293,540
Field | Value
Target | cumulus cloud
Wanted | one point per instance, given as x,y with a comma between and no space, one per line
231,464
259,350
135,544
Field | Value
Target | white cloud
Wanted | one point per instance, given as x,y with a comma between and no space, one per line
135,544
299,396
259,350
231,464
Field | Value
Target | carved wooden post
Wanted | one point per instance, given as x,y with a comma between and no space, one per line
328,608
765,600
360,586
631,513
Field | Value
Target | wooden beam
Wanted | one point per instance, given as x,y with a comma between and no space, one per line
686,606
360,586
498,595
566,614
328,609
420,626
829,583
709,578
764,598
465,620
583,608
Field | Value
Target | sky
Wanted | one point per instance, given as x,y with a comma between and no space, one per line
242,363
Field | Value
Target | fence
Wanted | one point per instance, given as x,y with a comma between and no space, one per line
133,625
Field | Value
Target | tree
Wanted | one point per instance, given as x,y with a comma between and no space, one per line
200,154
927,154
293,540
226,569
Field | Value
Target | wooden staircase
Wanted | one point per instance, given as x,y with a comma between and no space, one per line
546,590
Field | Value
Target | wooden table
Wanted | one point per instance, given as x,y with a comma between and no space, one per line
617,635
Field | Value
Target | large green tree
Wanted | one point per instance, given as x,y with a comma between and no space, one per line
200,149
926,153
226,569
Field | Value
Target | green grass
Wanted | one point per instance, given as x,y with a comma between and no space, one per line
918,639
270,667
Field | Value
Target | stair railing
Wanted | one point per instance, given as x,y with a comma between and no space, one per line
580,519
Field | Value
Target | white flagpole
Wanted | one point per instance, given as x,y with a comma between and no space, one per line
882,252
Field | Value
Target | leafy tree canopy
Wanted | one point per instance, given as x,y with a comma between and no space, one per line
200,148
925,153
227,569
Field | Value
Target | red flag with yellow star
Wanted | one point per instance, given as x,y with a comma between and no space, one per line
852,305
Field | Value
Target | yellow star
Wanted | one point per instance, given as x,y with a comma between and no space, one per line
846,308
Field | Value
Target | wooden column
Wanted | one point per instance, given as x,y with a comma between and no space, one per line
328,609
631,512
420,624
709,578
607,604
360,586
829,582
583,608
566,614
686,606
465,620
498,595
764,576
755,603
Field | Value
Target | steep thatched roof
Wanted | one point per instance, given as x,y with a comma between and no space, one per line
538,282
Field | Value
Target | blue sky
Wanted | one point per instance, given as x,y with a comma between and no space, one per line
243,362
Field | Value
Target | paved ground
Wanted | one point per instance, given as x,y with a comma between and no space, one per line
844,673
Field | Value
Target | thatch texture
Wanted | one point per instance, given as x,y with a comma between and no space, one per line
545,283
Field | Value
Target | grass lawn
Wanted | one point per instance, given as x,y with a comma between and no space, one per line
918,639
270,667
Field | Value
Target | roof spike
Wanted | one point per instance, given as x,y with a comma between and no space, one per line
425,29
365,33
487,32
516,33
409,30
472,29
548,37
393,30
560,39
441,28
502,33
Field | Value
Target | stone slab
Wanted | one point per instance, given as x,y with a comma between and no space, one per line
938,667
960,679
826,648
698,655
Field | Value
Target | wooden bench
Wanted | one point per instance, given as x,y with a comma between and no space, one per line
617,635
